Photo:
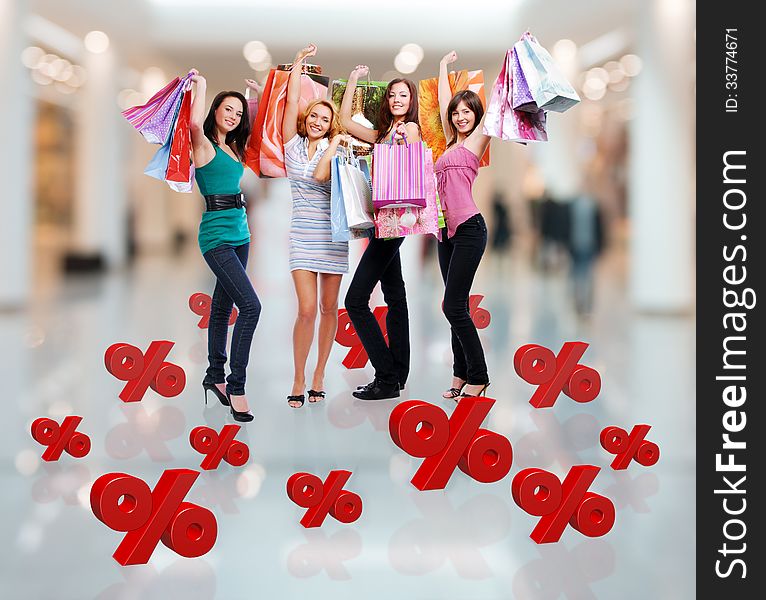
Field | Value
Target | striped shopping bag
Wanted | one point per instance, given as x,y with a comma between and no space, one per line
154,120
399,175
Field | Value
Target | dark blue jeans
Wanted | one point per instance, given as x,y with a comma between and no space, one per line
381,262
232,287
459,258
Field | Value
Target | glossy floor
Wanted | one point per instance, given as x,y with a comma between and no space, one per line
468,541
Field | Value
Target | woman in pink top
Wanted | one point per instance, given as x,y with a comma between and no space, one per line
463,240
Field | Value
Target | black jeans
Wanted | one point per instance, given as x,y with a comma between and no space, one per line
381,262
232,287
459,258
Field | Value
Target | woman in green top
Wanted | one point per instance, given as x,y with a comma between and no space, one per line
218,143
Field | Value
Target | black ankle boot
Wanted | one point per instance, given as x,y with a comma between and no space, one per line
377,390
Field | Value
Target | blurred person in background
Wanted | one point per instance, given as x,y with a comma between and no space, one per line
218,144
317,263
463,241
501,224
585,243
397,119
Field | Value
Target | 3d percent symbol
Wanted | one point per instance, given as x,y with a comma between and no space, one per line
424,431
200,304
553,374
540,493
125,503
218,446
62,437
321,498
347,336
616,440
142,371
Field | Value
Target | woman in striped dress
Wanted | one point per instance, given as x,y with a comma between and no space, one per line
316,262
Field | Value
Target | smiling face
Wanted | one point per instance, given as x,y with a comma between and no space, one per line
318,122
399,99
228,114
463,118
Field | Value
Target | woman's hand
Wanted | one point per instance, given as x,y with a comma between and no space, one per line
360,71
196,77
449,58
400,130
341,138
309,50
255,86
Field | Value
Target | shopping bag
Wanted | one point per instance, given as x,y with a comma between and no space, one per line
547,85
521,97
265,153
431,130
502,121
398,178
400,222
356,192
368,96
179,160
338,221
154,120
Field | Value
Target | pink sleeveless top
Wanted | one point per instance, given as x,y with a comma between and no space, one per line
456,171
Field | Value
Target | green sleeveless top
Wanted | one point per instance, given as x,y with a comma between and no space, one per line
221,176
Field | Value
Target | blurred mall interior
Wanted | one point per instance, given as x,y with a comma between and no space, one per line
92,251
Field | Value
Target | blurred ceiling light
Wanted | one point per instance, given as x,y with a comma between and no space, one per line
593,84
599,73
39,77
405,63
616,74
97,42
31,56
414,50
631,64
61,69
255,51
264,64
593,93
620,86
78,77
564,50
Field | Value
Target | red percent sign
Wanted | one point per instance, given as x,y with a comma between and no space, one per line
142,371
540,493
125,503
320,498
424,431
553,374
347,336
62,437
217,446
200,304
616,440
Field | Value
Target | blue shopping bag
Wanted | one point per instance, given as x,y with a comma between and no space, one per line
338,221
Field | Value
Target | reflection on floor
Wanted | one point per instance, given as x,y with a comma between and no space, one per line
469,541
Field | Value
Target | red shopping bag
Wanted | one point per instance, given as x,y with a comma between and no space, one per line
265,153
179,163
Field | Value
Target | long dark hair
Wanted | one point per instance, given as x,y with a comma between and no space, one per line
236,139
386,119
473,102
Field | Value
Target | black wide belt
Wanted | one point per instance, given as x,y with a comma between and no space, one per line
224,201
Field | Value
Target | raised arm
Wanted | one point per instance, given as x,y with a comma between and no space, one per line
290,119
356,129
445,91
202,147
254,97
322,170
477,142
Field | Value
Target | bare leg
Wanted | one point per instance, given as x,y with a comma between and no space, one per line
303,331
328,324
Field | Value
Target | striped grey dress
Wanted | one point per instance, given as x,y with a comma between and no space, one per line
311,245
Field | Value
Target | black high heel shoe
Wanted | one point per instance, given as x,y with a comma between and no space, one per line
241,416
218,394
482,392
